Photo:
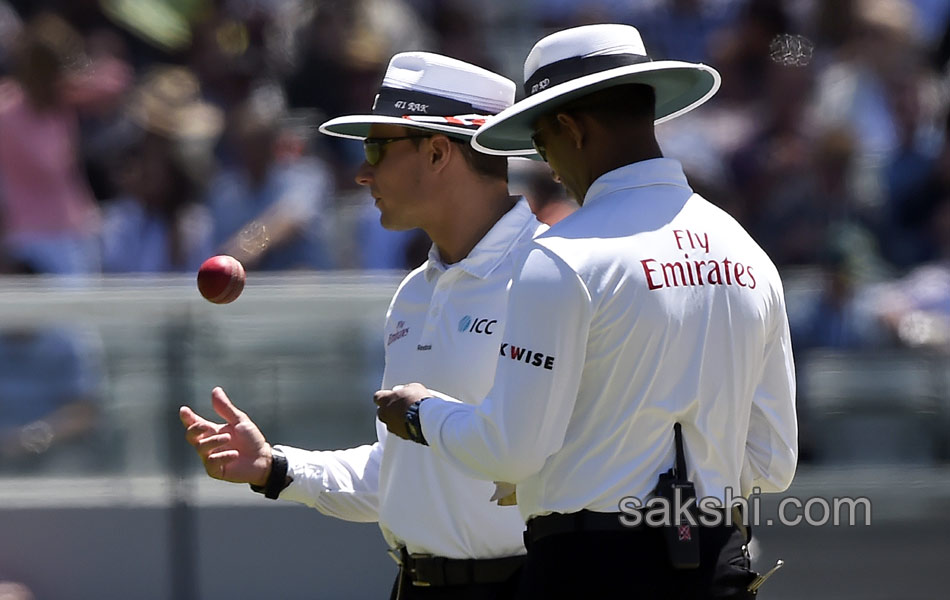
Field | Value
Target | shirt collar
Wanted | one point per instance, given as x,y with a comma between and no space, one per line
492,249
655,171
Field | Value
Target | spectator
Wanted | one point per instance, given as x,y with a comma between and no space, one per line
916,308
835,318
158,224
684,28
228,54
50,385
855,89
348,42
48,212
918,179
778,151
819,205
269,210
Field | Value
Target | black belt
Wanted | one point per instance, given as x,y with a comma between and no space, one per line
426,570
585,520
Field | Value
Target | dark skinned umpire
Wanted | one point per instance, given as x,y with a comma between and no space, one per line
647,357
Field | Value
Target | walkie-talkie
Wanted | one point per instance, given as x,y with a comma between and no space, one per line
682,538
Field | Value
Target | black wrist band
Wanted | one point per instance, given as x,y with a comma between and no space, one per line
413,425
277,479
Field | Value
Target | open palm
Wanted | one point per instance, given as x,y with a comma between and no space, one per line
233,451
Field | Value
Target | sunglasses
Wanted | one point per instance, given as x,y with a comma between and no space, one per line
373,147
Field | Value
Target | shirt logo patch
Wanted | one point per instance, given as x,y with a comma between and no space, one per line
471,324
401,331
528,357
691,272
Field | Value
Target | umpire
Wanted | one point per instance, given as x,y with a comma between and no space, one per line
444,325
647,355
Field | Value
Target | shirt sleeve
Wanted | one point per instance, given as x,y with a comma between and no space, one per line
772,442
338,483
523,421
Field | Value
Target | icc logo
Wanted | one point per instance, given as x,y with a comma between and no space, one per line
467,323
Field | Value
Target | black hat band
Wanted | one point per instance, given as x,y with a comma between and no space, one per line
577,66
392,102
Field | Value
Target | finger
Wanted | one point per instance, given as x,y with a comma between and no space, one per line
381,398
225,408
199,430
208,444
187,416
223,457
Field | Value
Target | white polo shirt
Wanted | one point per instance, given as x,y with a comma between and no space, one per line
444,327
646,307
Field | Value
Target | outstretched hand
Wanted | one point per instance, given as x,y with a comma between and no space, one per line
233,451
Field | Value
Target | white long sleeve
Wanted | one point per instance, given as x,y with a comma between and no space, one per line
338,483
772,442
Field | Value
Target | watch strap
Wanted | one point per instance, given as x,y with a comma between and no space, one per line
277,480
414,425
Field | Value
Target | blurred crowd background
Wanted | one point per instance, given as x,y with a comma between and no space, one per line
139,137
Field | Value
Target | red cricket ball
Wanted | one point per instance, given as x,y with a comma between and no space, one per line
221,279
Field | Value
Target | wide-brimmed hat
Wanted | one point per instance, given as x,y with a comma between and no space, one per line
434,92
579,61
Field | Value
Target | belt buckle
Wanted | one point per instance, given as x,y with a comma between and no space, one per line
414,576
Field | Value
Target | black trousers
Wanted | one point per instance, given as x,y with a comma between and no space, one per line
633,565
505,590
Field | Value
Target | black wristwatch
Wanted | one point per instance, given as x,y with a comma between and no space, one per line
413,426
277,480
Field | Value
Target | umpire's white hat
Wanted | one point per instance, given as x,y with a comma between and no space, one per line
434,92
578,61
